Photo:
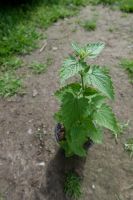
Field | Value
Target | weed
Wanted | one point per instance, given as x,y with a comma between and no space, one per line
38,68
111,29
72,185
126,6
83,111
49,61
105,2
129,146
89,25
10,63
128,66
9,85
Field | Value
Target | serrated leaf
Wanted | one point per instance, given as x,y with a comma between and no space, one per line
70,68
73,88
106,118
73,109
100,79
77,139
94,49
80,133
97,100
90,50
94,133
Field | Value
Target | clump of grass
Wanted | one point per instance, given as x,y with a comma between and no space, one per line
128,66
72,187
105,2
10,63
89,25
126,6
129,146
9,85
39,68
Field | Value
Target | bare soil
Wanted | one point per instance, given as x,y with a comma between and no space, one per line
31,165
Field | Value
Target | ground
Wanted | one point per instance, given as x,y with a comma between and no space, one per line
31,165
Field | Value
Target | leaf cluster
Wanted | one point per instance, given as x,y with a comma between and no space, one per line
83,109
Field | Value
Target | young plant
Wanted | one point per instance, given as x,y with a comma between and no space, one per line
128,66
83,112
72,187
129,146
89,25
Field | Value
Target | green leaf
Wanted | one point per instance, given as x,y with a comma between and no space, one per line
80,133
73,109
100,79
91,50
70,68
95,134
78,137
97,100
73,88
106,118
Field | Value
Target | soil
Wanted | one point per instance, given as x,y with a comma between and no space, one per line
31,165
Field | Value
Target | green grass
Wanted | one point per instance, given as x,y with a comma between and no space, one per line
123,5
20,31
9,85
127,6
19,24
89,25
39,68
128,66
10,63
72,187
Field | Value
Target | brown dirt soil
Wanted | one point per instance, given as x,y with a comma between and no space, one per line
32,167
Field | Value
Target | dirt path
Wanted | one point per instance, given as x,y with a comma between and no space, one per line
32,168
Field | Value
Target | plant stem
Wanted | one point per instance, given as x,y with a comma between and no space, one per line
82,81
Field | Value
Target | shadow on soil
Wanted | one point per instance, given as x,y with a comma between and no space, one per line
52,187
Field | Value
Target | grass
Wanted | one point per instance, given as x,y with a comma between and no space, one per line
72,185
10,63
39,68
128,66
9,85
20,31
89,25
19,24
127,6
123,5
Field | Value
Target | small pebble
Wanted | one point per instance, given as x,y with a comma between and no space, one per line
93,187
54,48
41,164
30,131
35,93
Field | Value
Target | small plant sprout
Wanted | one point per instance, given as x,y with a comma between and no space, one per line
38,68
128,66
89,25
72,187
129,146
83,110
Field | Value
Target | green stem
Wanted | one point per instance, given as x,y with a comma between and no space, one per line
82,82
